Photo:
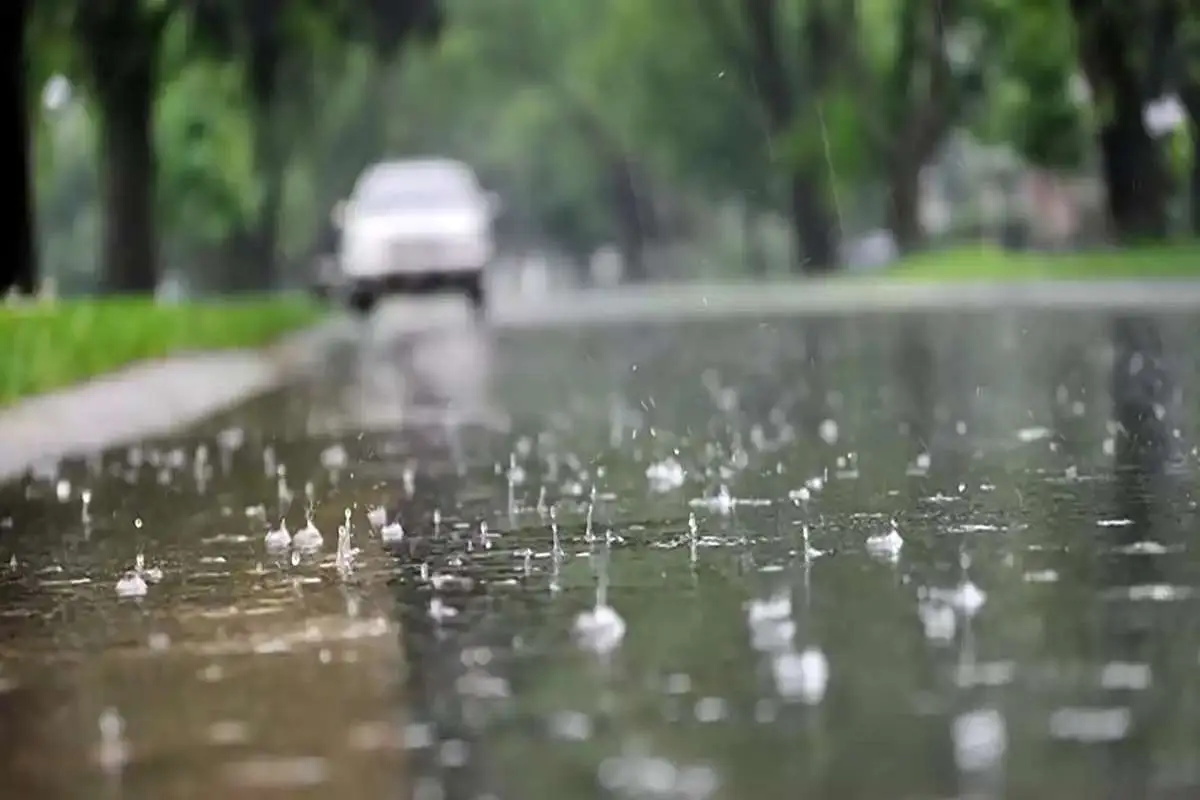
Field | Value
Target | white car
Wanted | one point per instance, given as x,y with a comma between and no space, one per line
416,227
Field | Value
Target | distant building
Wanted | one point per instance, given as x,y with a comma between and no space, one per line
1052,209
606,267
976,191
871,251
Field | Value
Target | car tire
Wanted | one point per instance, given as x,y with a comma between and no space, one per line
476,295
362,302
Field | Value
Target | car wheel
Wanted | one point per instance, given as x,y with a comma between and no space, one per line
362,302
476,295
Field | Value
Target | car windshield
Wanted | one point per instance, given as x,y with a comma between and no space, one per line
408,191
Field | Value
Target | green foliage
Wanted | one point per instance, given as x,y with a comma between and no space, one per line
505,89
208,186
1033,74
207,175
992,263
682,96
548,99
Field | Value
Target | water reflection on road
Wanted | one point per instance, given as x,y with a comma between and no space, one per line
889,557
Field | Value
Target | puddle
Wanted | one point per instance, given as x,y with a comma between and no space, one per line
720,560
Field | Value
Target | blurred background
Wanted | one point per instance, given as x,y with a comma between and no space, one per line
198,146
1007,496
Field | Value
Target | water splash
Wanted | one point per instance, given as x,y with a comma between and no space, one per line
967,598
132,585
515,477
600,629
809,551
556,555
112,752
693,537
439,611
392,532
344,558
588,535
308,538
802,676
723,502
150,574
666,475
886,546
555,545
334,458
377,516
278,539
284,493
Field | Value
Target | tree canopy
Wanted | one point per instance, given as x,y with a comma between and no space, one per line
208,139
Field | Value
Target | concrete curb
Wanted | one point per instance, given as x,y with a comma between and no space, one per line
147,399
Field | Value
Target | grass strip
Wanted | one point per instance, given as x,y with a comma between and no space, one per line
50,345
995,264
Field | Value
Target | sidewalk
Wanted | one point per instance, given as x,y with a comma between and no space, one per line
145,400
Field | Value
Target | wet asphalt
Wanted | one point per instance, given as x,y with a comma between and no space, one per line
887,555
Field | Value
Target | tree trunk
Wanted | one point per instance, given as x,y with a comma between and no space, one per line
1135,174
756,262
1194,186
904,206
812,226
122,50
812,223
1135,178
20,269
259,270
266,229
252,251
1190,94
129,252
628,213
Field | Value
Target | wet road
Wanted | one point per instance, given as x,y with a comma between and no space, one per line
924,556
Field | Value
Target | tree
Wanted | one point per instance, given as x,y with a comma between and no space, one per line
1182,73
1120,48
20,268
208,185
535,55
872,93
789,86
910,92
680,107
118,47
1033,79
255,33
279,44
117,55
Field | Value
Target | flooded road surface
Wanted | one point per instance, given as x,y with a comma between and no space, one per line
887,557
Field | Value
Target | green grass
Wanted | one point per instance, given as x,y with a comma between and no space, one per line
991,263
46,346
